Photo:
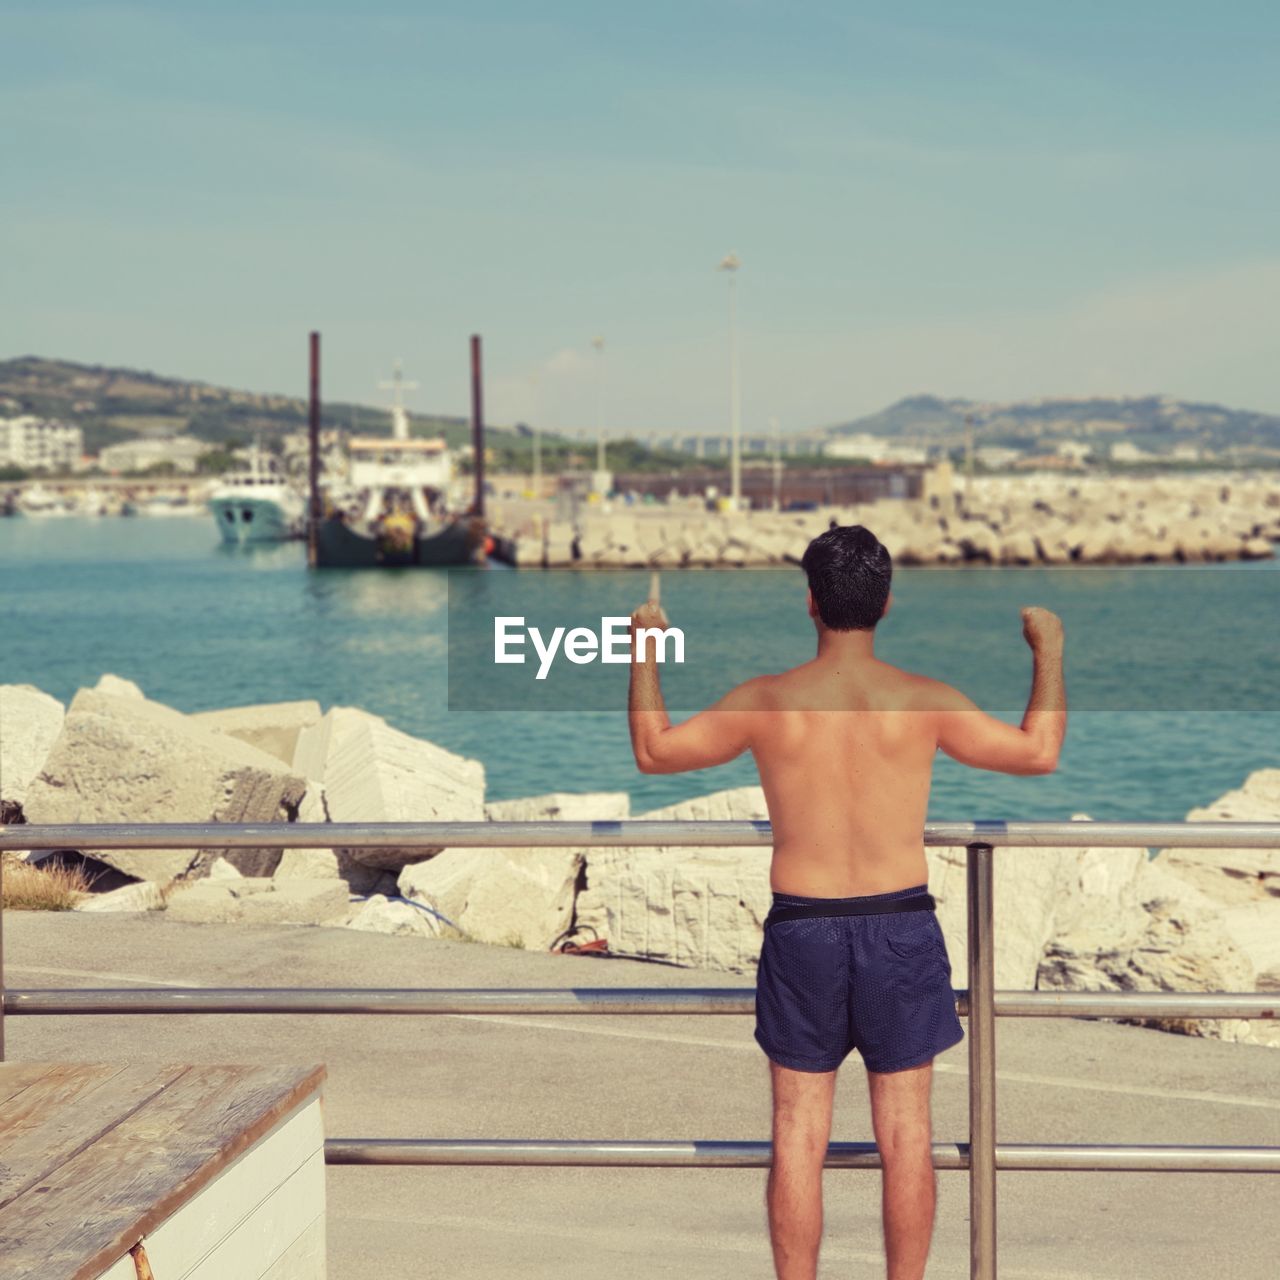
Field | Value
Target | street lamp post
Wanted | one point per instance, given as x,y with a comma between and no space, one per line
598,343
730,263
537,444
968,458
777,464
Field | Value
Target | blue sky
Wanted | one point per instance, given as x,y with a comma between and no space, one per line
994,200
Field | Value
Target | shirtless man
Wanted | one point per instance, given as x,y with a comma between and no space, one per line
845,745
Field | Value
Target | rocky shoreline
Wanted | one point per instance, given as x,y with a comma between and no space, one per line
1023,520
1068,919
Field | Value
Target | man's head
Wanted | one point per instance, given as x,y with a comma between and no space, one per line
849,572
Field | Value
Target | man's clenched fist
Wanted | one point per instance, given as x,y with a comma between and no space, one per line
1041,627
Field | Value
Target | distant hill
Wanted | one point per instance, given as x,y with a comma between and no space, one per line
1151,422
113,404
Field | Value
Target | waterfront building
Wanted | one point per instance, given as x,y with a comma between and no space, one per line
39,444
1126,451
871,448
996,456
146,451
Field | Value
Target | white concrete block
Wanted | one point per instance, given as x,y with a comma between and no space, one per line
30,722
374,773
126,759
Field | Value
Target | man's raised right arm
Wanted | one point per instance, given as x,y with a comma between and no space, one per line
973,737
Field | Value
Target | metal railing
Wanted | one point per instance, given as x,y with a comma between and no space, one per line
981,1156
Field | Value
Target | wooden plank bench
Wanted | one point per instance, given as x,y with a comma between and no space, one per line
217,1170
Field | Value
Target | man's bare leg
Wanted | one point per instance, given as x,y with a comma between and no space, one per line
801,1131
900,1117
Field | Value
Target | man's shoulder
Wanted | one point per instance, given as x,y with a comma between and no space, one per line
920,692
751,695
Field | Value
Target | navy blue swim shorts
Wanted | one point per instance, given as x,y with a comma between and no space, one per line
877,983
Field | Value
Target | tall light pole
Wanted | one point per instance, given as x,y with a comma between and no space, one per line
730,263
777,463
968,458
537,445
598,343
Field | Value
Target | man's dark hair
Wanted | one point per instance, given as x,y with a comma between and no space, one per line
849,572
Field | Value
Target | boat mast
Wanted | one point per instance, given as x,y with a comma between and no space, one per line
399,416
477,427
313,461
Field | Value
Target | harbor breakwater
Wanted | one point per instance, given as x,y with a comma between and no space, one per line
1022,520
1067,919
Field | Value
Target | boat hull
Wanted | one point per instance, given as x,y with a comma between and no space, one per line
338,546
241,520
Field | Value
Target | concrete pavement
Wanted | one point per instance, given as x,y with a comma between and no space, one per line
662,1077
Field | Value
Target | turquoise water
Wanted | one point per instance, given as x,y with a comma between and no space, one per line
1171,671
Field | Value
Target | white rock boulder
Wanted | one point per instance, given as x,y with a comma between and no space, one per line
30,722
511,897
1179,946
308,864
1177,939
1236,876
121,758
683,905
328,864
203,902
372,772
745,804
118,685
261,899
1029,885
145,895
1254,927
706,906
272,727
380,914
699,907
562,806
1100,894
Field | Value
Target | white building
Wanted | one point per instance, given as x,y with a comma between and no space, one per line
146,451
39,444
1126,451
996,456
873,449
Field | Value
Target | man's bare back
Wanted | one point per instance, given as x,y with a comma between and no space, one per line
847,786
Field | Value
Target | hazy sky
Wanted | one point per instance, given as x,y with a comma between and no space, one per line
987,199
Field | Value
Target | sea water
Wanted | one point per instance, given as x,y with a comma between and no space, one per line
1171,670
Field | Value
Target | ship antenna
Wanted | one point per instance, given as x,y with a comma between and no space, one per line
397,386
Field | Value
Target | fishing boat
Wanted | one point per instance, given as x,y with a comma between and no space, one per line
254,501
167,504
393,507
92,502
38,501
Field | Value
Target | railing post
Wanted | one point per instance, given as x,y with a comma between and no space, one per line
982,1065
